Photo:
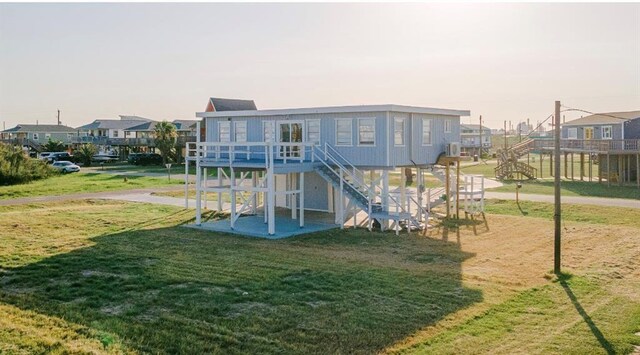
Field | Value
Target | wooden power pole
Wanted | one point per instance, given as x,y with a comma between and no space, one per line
505,135
58,117
556,178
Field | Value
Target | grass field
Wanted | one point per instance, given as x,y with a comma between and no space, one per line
81,183
108,276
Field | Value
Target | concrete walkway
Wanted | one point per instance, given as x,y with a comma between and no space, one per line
581,200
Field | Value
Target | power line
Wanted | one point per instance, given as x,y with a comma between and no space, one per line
540,125
592,113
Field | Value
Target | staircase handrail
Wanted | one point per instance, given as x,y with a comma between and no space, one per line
355,170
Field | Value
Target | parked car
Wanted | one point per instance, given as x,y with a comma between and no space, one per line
44,156
147,159
59,156
133,157
66,166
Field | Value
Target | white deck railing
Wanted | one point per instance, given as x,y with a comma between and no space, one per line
230,152
593,145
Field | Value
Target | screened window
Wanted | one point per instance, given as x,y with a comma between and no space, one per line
224,131
447,126
267,131
240,131
343,132
398,131
35,136
572,133
313,131
426,131
367,131
606,132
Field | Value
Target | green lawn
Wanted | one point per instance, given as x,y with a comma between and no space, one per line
81,183
108,276
571,188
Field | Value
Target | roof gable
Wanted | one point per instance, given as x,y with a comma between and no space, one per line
217,104
47,128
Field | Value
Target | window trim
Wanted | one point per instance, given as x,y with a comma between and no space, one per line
306,130
374,132
575,129
404,131
610,127
272,127
35,136
235,131
220,123
430,143
350,120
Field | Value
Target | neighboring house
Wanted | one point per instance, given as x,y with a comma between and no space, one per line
112,128
611,125
331,159
34,135
470,138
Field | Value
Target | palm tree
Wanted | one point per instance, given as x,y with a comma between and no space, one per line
85,154
53,146
165,140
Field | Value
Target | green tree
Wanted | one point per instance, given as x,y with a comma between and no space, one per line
53,146
165,138
85,154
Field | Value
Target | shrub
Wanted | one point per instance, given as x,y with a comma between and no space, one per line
85,154
17,168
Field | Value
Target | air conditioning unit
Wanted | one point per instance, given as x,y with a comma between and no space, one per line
453,149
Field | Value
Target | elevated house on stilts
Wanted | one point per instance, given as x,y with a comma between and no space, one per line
290,171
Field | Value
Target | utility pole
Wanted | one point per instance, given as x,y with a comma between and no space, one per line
505,135
556,179
58,117
480,137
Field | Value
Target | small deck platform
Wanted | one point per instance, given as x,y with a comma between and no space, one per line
254,226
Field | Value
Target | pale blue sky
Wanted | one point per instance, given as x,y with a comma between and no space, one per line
162,61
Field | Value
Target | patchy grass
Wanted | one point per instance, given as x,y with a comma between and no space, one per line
109,276
570,212
81,183
572,188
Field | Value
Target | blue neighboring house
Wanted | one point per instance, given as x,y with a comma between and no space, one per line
328,159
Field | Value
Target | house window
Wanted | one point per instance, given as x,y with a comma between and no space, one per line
572,133
367,131
447,126
240,131
313,131
115,133
69,135
35,136
398,131
47,135
426,131
343,132
267,131
224,131
606,132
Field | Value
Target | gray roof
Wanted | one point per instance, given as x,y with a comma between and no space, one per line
147,126
605,118
47,128
185,125
110,124
220,104
473,126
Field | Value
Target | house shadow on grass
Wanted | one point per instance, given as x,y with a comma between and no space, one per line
174,290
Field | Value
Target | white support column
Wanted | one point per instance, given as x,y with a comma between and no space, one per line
420,190
233,197
373,188
271,203
301,199
206,184
403,189
254,184
385,196
219,186
293,196
186,177
341,206
198,188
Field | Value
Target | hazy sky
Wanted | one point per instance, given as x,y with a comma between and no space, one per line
162,61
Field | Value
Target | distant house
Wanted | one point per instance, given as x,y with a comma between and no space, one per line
112,128
34,135
611,125
470,138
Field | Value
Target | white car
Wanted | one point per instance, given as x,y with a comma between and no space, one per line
66,166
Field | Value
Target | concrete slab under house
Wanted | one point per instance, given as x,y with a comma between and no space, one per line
295,171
